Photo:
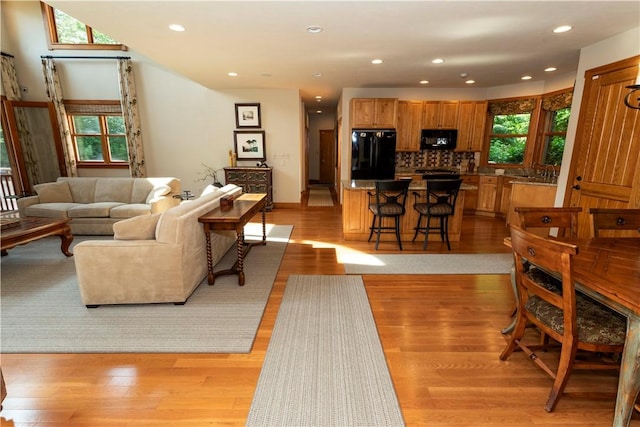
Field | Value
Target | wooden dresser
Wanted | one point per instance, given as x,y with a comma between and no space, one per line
252,180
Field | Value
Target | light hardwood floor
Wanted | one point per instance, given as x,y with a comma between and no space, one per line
441,336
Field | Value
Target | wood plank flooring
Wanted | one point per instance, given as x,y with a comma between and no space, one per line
441,336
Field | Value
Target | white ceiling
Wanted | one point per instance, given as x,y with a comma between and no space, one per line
266,42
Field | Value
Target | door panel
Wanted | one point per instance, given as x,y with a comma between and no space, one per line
607,148
327,156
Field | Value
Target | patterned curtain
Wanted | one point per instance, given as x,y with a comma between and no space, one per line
557,101
518,106
129,101
11,90
54,92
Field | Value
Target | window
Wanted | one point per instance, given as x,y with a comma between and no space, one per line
66,32
98,133
555,135
508,138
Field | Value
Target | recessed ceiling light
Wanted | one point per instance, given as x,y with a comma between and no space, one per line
314,29
376,61
319,111
470,82
424,82
232,74
562,29
549,69
318,100
176,27
438,61
318,97
526,77
317,74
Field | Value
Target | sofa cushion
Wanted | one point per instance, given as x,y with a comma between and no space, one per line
82,189
130,210
92,210
50,210
53,192
136,228
114,190
158,191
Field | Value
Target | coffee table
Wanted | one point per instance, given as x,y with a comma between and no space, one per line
234,218
33,228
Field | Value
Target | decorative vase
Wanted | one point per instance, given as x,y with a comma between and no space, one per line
471,165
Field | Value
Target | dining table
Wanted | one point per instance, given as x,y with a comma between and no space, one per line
608,270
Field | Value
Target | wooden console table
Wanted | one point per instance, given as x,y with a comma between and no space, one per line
244,208
252,180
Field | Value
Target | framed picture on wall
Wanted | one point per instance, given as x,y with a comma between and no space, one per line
247,115
249,145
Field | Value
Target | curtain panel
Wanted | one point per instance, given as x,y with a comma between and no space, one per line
518,106
11,89
54,92
129,102
557,101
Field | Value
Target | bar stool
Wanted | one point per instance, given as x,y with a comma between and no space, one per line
388,202
438,202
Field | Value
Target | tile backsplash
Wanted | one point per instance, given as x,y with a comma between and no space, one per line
432,159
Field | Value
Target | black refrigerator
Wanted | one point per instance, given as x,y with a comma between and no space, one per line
373,154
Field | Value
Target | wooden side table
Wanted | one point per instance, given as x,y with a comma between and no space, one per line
244,208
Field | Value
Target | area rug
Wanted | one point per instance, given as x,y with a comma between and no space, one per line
325,365
41,309
320,196
359,263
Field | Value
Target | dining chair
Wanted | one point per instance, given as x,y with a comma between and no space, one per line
439,202
542,220
612,220
548,299
388,201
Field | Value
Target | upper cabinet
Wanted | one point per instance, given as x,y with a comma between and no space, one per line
472,118
439,114
409,126
374,113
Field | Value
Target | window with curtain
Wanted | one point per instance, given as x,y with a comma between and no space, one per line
556,110
510,130
98,133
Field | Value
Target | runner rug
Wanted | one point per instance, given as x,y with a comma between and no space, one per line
325,365
320,196
361,263
41,309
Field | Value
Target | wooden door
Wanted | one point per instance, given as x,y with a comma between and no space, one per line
604,170
327,156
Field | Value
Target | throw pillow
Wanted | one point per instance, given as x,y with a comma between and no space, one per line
158,191
141,227
54,192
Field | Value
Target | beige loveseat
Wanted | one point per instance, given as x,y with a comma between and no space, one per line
155,258
95,204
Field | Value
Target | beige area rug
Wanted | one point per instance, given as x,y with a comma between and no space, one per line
320,196
325,365
361,263
41,309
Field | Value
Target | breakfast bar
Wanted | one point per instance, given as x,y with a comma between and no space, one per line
356,216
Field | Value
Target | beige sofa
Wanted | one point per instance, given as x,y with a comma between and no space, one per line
95,204
155,258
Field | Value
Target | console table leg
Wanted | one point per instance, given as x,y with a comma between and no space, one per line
211,278
240,261
264,226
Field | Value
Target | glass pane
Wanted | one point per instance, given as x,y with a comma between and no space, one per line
511,124
89,148
560,120
118,149
507,150
4,155
87,124
115,124
101,38
69,29
554,147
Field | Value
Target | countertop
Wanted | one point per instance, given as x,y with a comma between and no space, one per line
526,180
369,184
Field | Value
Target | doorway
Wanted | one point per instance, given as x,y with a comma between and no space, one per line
327,157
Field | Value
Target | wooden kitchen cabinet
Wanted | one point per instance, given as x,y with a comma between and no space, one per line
252,180
374,113
505,198
440,114
409,126
472,119
471,196
487,194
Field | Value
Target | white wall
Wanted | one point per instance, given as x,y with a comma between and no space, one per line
607,51
183,123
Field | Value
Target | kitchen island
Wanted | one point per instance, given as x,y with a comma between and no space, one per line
357,218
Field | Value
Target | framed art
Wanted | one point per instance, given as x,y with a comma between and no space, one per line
247,115
249,145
